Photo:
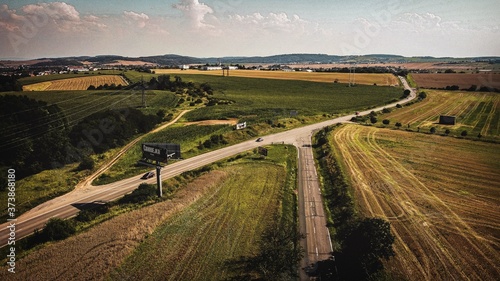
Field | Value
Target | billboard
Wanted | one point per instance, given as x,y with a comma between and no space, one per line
241,126
161,151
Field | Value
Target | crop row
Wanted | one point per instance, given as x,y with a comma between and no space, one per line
439,201
474,112
198,242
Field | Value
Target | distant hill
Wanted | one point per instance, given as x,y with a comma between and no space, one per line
172,59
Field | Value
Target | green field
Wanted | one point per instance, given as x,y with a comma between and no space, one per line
77,105
270,98
203,240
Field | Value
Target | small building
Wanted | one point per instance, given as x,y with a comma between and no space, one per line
447,120
211,68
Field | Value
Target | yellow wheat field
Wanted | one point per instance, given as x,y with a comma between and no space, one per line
382,79
80,83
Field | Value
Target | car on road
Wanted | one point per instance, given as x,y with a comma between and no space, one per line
148,175
259,139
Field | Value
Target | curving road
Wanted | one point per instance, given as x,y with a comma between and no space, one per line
311,215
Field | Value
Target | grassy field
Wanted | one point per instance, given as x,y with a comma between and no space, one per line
477,113
215,218
197,243
77,83
325,77
77,105
463,80
260,99
440,194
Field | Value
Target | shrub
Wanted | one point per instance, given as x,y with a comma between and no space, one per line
86,164
143,193
386,121
464,133
58,229
422,95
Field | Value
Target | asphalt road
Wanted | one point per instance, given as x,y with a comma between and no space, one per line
311,215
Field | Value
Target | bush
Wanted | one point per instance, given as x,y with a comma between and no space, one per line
373,119
86,164
58,229
398,124
433,130
464,133
143,193
422,95
386,122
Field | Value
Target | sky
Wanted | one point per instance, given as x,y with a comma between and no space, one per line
218,28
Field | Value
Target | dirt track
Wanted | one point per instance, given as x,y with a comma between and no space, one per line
441,196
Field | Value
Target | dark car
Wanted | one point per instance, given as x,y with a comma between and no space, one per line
148,175
260,139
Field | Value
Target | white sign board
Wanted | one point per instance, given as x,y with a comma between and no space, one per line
241,126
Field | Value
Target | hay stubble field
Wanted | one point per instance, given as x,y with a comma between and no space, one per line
440,194
76,84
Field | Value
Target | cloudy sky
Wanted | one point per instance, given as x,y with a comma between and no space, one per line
215,28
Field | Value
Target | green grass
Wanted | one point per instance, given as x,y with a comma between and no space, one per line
198,242
269,98
77,105
36,189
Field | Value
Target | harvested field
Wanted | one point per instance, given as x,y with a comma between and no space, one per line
440,194
197,243
73,84
325,77
476,113
93,254
463,80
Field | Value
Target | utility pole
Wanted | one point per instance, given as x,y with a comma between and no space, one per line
143,94
158,179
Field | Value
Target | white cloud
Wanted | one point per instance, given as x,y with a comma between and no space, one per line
272,22
140,19
195,13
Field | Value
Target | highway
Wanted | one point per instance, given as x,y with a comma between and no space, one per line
311,214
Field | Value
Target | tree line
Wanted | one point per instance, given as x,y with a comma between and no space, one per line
36,136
